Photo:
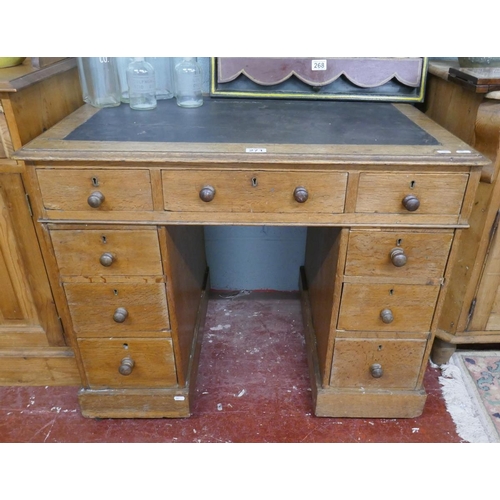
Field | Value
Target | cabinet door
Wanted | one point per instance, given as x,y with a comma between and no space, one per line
486,315
27,312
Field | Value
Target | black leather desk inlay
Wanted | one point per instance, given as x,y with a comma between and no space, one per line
256,122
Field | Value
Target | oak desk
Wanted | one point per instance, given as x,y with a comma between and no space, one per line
121,198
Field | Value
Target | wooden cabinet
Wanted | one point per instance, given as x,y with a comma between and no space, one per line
33,347
471,309
120,220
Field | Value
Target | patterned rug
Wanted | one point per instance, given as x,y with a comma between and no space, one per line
471,389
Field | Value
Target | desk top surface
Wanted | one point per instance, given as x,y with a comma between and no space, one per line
244,130
227,121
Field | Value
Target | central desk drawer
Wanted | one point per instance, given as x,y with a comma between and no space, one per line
107,252
246,191
398,254
387,307
118,309
431,194
93,190
128,362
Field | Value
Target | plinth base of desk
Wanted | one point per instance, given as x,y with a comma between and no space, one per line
135,403
329,402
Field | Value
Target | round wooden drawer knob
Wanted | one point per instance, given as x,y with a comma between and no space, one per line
398,257
300,194
106,259
411,203
387,316
95,199
126,366
207,193
376,370
120,315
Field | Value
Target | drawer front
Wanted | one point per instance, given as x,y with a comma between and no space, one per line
254,191
97,309
76,190
398,254
128,363
376,363
405,308
107,252
437,194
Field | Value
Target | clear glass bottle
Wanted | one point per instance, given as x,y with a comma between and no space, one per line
188,75
163,77
174,61
122,64
83,80
99,77
141,84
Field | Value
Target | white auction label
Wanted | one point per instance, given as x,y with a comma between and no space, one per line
256,150
318,64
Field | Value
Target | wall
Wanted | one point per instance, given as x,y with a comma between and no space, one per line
255,257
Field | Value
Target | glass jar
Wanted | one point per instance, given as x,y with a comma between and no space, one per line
189,79
83,80
99,77
141,84
174,61
122,64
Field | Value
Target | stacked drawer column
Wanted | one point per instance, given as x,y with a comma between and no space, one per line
374,291
131,291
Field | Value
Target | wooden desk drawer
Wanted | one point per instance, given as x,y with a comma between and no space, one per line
93,307
153,362
243,191
354,359
440,194
71,189
398,254
411,307
107,252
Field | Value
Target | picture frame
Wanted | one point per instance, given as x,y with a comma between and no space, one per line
395,79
